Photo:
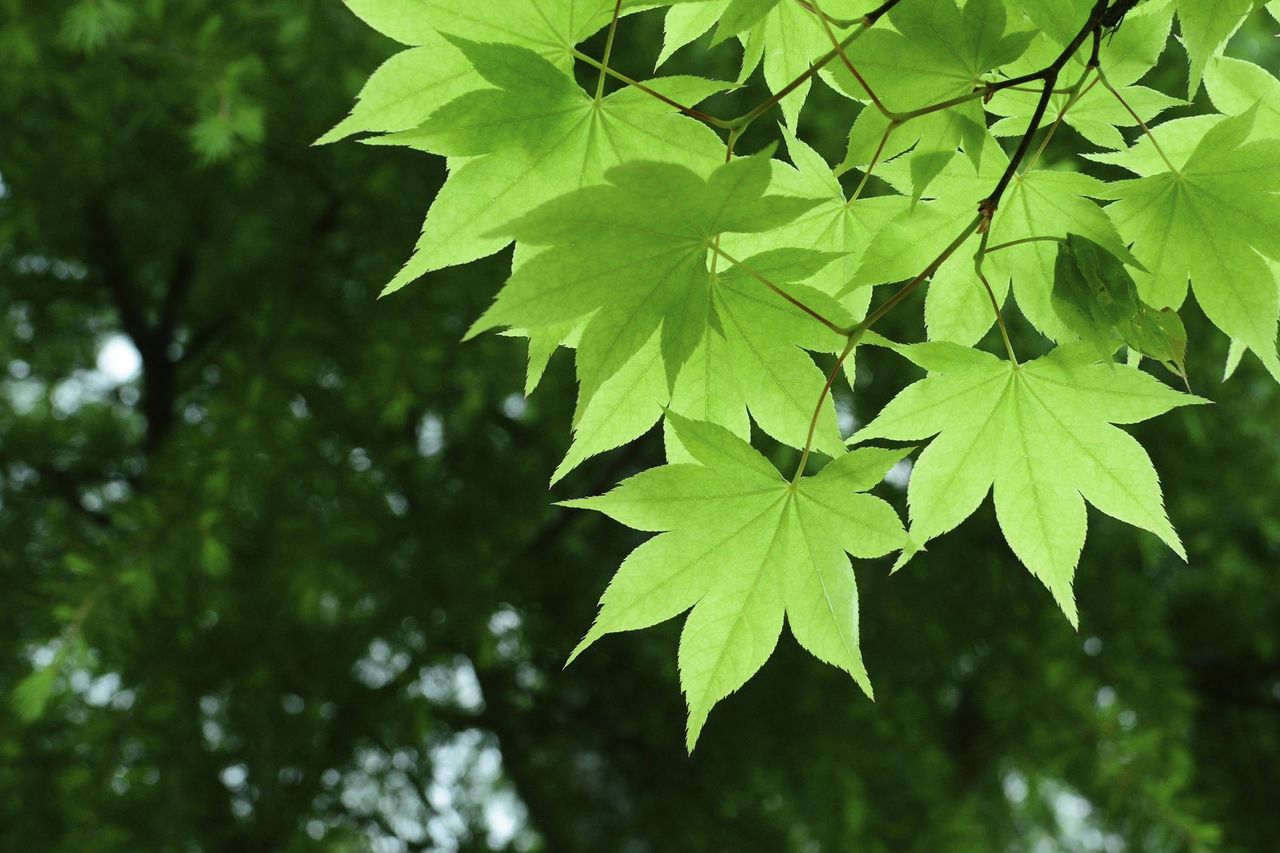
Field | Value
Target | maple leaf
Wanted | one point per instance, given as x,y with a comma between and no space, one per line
745,549
633,254
786,39
939,51
752,362
408,88
1041,434
1236,86
1097,298
551,28
411,85
406,21
739,15
1206,27
1057,20
1213,221
765,337
833,225
530,136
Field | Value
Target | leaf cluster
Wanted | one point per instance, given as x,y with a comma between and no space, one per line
701,286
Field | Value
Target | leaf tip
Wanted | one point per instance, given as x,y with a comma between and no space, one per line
691,735
582,646
1068,606
482,324
909,549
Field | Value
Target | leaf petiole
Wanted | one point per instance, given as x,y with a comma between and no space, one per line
826,321
991,294
635,84
1142,124
741,123
608,49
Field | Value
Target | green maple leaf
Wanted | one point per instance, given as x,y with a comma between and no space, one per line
765,337
1213,222
1041,434
786,39
530,137
551,28
1236,86
633,254
752,362
406,21
414,83
408,88
939,51
625,406
1057,20
684,22
707,390
745,549
740,15
687,21
1206,27
833,225
791,39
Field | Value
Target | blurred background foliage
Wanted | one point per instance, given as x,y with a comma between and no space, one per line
280,569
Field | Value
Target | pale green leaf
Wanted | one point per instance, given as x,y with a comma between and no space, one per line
408,88
530,138
745,549
939,51
625,407
1236,86
406,21
632,254
1206,27
685,22
1214,223
1041,434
